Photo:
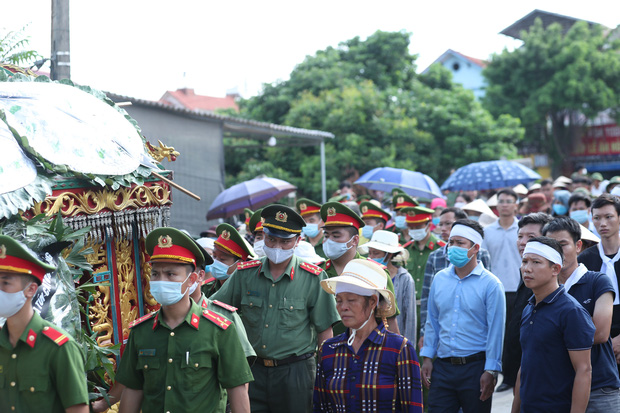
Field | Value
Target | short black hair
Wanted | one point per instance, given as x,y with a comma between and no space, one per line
471,224
607,199
539,218
344,184
579,197
508,191
27,279
564,224
582,180
458,213
464,195
550,242
546,182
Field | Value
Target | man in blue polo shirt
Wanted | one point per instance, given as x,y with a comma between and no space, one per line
595,292
556,338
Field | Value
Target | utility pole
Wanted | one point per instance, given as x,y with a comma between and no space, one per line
61,57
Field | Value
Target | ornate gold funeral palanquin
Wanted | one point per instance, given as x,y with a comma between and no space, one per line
120,220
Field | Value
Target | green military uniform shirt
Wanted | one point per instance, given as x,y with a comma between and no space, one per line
282,317
331,272
417,260
184,369
230,313
318,248
44,372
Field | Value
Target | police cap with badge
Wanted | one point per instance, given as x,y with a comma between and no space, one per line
335,214
281,221
15,257
230,241
171,245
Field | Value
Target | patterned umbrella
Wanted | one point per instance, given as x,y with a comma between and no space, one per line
252,194
489,175
413,183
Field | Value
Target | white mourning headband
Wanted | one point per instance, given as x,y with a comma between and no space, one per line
545,251
469,233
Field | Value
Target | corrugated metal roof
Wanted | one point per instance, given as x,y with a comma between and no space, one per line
258,129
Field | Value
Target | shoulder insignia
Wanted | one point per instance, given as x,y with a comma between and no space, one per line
248,264
225,306
207,281
405,245
55,335
441,243
216,319
381,265
328,264
311,268
142,319
194,321
204,303
32,338
431,245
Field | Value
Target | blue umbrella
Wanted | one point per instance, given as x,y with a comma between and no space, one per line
252,194
413,183
489,175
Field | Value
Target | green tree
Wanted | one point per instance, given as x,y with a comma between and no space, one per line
367,94
554,82
13,48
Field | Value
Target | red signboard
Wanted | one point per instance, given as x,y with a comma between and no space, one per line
599,140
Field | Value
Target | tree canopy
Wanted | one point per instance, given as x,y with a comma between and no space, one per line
554,82
367,93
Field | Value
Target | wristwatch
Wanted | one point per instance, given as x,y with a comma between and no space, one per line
493,373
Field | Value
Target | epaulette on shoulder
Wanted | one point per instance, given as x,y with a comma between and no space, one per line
225,306
441,243
248,264
142,319
328,264
381,265
405,245
216,319
311,268
55,335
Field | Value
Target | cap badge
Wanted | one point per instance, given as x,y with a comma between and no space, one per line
164,241
281,216
225,235
364,209
2,252
411,213
331,212
262,220
400,199
303,207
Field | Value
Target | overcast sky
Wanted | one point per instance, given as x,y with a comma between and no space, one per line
143,48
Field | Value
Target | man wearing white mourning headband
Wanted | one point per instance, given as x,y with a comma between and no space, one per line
556,378
464,331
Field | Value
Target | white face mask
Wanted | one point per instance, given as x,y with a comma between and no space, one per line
168,292
417,234
278,255
11,303
192,288
259,248
335,250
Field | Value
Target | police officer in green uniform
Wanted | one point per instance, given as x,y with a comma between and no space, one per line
256,227
422,243
219,307
286,314
41,366
375,218
310,211
401,200
341,229
180,357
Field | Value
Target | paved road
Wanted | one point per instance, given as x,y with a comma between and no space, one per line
502,402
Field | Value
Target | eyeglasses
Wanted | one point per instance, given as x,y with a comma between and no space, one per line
505,202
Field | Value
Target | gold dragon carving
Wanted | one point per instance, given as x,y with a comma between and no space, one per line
93,201
127,292
99,311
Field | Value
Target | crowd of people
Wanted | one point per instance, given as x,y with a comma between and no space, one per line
358,304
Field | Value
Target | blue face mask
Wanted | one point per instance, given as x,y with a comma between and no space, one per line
207,268
458,256
580,216
367,231
474,218
167,292
334,250
219,270
559,209
400,222
311,230
382,261
436,221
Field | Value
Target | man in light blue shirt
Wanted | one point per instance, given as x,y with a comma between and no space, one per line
464,328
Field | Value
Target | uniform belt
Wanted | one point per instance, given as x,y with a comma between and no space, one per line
464,360
288,360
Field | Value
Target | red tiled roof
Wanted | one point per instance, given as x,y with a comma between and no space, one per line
479,62
187,99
